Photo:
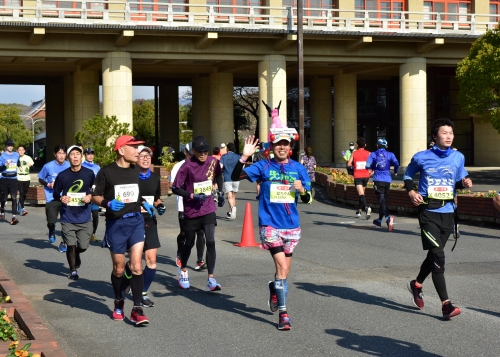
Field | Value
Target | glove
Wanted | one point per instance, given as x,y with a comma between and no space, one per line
161,209
199,197
116,205
149,208
221,200
343,153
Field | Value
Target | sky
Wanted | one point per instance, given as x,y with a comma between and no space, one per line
25,94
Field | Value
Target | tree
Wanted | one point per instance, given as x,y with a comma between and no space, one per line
246,103
479,77
100,134
186,123
143,112
12,126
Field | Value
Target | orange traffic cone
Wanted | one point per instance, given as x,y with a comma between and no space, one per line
247,236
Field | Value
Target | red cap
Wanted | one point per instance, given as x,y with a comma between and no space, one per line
126,140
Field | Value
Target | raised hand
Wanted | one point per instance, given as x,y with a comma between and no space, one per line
249,148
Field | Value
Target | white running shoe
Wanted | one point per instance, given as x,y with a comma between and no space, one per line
212,285
368,212
233,212
183,278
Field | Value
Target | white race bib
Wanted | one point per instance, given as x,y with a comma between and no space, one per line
127,193
148,199
281,193
440,192
203,188
360,165
12,166
76,198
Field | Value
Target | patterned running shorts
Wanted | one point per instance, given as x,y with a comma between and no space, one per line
286,238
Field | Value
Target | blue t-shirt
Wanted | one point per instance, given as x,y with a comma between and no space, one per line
438,175
229,161
48,173
9,170
380,162
278,215
68,182
95,168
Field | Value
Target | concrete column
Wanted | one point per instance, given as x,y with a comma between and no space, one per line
345,115
346,5
201,107
221,109
481,7
413,108
272,89
54,91
169,115
117,86
69,109
321,119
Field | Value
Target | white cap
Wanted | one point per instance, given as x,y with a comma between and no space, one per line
141,148
222,146
74,147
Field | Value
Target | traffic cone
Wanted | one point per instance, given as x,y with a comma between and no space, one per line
247,235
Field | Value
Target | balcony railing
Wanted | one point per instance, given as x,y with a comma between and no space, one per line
244,17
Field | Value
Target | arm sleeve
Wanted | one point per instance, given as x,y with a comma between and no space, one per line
179,182
57,189
220,182
43,182
180,192
238,172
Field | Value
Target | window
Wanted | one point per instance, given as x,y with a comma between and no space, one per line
447,9
236,10
379,9
159,5
308,4
495,10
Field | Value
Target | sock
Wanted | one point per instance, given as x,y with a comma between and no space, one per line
137,284
51,227
149,275
286,290
279,286
117,286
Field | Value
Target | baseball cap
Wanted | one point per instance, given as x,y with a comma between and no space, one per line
88,151
9,142
351,144
126,140
222,146
200,144
189,148
73,147
381,142
141,148
279,137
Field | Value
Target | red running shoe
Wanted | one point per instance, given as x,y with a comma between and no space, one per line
449,310
417,297
137,316
390,223
118,311
14,221
178,261
284,321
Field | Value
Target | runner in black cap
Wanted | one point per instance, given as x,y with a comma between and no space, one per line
90,164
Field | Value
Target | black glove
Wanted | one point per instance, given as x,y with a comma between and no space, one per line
221,200
161,209
199,197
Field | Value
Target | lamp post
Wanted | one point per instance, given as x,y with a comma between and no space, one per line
32,132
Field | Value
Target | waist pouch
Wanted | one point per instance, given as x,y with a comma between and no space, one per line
9,174
432,203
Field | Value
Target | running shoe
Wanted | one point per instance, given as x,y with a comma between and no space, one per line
24,212
14,221
73,275
78,261
2,215
183,278
228,214
368,212
94,239
146,302
212,285
273,298
358,214
62,247
284,321
390,223
417,296
200,265
178,260
118,311
52,237
377,222
233,212
449,310
137,316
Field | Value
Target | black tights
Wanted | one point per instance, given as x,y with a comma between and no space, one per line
383,211
434,263
95,220
209,230
72,253
14,203
181,238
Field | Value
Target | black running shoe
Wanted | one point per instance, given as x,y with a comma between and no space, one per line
146,302
273,298
73,275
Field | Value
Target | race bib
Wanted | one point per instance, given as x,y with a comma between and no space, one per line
360,165
203,188
281,193
148,199
127,193
440,192
76,198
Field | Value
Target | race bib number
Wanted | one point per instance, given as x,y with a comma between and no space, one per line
148,199
76,198
203,188
440,192
281,193
11,166
127,193
360,165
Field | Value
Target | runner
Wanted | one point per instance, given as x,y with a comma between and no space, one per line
46,177
116,188
200,234
279,222
9,161
72,188
194,182
23,178
89,163
228,162
441,172
380,163
149,190
361,175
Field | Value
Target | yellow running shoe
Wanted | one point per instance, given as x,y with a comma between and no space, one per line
94,239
